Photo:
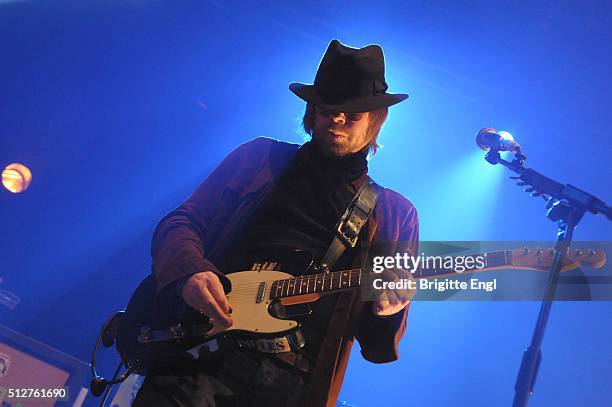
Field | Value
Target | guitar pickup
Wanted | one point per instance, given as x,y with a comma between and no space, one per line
297,310
261,292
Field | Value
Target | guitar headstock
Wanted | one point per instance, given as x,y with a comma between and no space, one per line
542,259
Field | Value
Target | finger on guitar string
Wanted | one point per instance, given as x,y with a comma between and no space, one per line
212,310
204,292
216,290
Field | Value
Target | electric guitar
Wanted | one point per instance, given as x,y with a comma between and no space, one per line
150,332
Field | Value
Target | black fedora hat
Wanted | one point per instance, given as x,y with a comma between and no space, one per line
349,80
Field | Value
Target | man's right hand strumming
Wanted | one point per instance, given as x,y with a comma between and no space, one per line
204,292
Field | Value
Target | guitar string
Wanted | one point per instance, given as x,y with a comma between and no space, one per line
316,278
308,277
246,289
339,274
306,281
490,256
283,288
333,275
249,293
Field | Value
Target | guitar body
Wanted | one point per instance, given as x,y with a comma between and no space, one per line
150,331
251,304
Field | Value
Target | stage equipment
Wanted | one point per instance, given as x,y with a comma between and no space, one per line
34,374
488,139
16,177
565,205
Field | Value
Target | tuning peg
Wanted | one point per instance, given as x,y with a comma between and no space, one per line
530,189
538,252
578,252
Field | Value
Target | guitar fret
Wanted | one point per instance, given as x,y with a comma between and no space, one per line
315,283
292,286
330,281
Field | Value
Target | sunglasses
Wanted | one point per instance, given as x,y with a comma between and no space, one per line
354,117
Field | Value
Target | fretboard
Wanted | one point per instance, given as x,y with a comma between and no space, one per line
492,260
350,279
316,283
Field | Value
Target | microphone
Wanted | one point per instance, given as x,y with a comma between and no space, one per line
488,139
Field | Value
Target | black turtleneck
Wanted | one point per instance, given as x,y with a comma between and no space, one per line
304,206
301,212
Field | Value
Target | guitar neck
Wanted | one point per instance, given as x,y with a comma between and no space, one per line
326,283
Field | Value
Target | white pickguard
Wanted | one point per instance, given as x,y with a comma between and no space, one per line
247,313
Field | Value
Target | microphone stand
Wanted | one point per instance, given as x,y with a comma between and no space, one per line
566,205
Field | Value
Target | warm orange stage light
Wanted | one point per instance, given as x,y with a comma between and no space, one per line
16,177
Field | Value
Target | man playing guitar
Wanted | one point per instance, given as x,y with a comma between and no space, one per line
269,202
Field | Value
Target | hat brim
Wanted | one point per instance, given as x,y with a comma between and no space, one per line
360,104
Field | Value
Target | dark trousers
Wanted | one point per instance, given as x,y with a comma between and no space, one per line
235,379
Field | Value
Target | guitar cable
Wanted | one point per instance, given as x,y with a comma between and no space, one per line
109,386
107,337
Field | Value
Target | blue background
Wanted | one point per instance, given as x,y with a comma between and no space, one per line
120,108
